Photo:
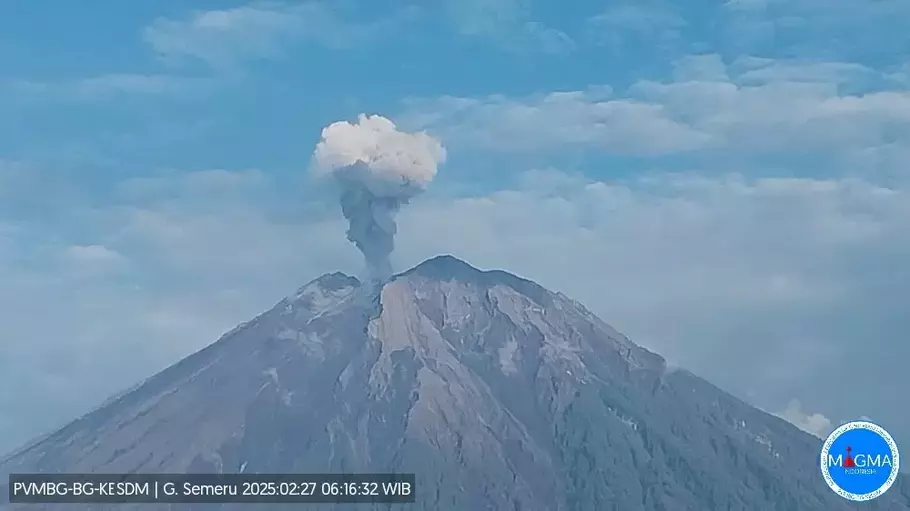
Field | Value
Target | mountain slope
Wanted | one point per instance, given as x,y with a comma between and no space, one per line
497,393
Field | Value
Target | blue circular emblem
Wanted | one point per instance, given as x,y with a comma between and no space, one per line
860,461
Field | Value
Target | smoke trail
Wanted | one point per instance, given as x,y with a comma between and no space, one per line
379,169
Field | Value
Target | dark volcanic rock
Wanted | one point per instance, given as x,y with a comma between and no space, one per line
497,393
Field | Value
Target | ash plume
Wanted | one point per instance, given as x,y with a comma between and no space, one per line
379,169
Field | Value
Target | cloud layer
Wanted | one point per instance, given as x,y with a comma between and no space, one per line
739,111
258,30
777,278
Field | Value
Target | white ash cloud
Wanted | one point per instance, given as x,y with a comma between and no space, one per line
813,423
379,168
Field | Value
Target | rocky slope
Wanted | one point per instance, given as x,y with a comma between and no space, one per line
497,393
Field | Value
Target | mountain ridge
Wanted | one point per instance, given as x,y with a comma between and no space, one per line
497,392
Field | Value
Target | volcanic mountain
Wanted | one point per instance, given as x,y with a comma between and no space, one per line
497,393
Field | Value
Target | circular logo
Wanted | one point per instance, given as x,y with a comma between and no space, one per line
860,461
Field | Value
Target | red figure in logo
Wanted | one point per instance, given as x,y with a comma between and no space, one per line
848,462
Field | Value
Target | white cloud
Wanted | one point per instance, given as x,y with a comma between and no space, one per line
546,122
899,75
700,68
818,28
538,36
259,30
648,20
200,185
134,83
751,107
219,36
784,115
92,254
105,86
763,71
830,30
814,423
622,27
507,24
746,5
85,263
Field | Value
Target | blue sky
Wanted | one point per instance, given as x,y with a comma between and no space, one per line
725,182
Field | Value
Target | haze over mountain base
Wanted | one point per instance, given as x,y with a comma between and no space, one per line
496,392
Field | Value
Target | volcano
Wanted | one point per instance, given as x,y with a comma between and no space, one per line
497,393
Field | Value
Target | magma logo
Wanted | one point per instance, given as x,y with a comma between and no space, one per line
860,461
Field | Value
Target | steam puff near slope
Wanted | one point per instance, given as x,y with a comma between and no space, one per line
379,169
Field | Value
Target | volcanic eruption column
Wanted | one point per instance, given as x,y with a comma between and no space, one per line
380,169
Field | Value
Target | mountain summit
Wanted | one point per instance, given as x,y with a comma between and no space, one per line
496,392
